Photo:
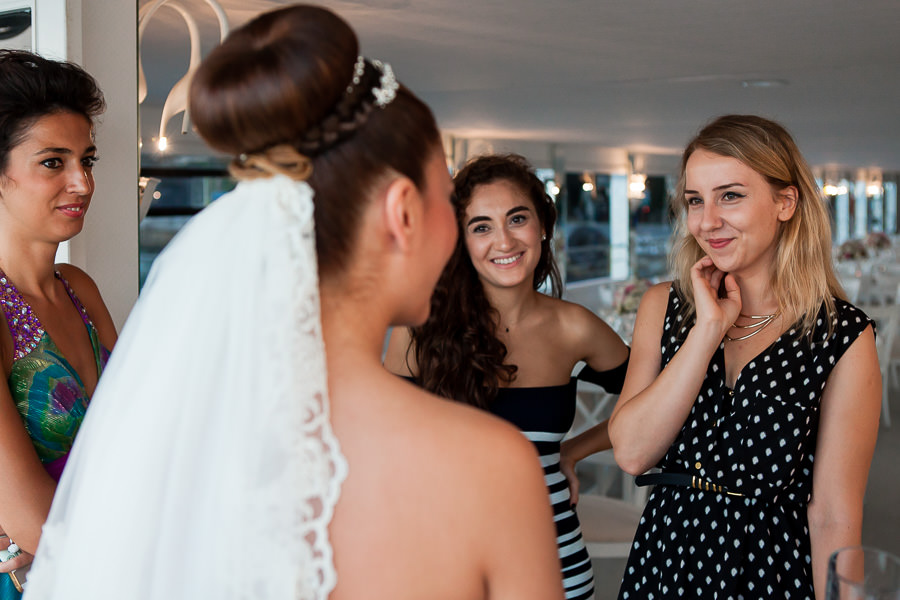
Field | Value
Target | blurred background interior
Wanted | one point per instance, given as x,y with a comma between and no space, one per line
599,96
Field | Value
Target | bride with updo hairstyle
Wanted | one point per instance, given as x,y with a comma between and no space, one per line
271,455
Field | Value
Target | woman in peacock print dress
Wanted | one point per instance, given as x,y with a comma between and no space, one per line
57,331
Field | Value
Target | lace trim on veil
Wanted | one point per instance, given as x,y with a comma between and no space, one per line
207,466
318,467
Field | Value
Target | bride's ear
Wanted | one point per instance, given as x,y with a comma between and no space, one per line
402,211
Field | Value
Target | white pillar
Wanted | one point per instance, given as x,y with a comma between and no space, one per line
890,207
860,212
842,217
619,227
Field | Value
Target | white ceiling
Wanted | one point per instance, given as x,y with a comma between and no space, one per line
638,75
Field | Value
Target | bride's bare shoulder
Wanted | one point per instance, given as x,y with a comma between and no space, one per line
467,428
395,413
434,469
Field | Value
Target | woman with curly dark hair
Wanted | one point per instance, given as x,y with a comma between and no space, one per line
495,340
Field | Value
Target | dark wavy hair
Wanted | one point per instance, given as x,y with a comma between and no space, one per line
32,87
289,77
457,351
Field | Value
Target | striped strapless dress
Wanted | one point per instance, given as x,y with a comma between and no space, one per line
545,415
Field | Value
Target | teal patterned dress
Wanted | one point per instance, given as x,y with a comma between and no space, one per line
47,391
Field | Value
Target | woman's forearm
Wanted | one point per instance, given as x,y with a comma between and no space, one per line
644,425
824,539
591,441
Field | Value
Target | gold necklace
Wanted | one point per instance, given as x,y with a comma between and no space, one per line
763,322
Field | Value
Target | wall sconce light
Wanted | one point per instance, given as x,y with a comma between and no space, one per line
875,185
637,183
637,179
832,189
836,182
552,189
588,183
177,100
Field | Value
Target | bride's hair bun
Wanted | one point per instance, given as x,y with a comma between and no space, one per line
289,78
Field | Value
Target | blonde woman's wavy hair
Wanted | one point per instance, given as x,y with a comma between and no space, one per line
802,274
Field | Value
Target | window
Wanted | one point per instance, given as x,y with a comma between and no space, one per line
179,194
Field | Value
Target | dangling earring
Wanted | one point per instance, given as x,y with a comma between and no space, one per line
543,237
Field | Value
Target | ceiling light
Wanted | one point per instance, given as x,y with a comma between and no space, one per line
587,186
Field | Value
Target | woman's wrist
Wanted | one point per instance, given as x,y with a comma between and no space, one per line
708,334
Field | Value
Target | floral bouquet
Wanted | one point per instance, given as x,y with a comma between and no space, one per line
628,296
878,241
852,250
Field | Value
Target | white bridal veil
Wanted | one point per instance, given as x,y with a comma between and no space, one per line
206,466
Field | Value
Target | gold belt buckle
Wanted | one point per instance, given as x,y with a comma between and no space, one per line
707,486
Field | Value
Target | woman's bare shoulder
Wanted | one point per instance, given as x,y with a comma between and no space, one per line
89,295
589,336
434,469
472,426
658,293
83,286
460,436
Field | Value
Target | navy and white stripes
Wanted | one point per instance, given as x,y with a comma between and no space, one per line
545,414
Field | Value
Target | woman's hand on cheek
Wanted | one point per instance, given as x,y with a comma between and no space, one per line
707,279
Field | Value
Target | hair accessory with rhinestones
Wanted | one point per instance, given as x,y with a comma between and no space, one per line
358,69
387,85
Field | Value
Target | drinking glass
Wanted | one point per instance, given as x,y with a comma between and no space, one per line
863,573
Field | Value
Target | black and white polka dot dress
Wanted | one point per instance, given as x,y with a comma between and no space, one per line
758,439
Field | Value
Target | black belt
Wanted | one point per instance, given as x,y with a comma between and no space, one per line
685,480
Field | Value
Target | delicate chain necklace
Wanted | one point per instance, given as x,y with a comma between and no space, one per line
763,322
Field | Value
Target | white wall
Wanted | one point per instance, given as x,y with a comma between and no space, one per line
101,35
108,246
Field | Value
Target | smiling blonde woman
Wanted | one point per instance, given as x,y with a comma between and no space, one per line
754,386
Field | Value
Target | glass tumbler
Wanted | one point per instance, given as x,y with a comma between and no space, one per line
863,573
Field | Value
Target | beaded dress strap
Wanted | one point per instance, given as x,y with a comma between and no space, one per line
24,326
81,309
